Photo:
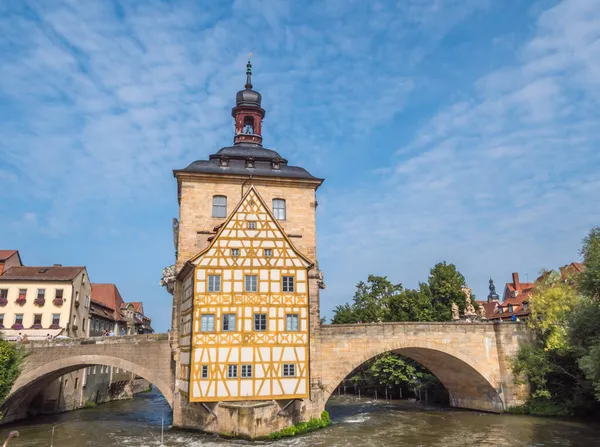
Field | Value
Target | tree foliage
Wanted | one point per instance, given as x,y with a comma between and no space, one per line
11,359
380,300
562,364
589,280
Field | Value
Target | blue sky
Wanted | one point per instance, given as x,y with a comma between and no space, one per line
458,130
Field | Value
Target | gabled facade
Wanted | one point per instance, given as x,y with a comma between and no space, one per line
250,319
8,259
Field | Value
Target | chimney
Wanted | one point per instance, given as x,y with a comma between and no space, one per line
516,282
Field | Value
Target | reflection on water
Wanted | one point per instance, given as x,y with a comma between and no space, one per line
356,423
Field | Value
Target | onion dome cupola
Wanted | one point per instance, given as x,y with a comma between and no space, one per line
247,156
248,113
493,296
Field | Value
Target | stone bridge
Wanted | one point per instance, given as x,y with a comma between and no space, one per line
148,356
472,360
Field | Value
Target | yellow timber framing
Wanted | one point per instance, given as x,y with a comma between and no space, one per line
268,299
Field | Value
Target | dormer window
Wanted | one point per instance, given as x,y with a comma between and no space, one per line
526,305
279,209
250,162
500,309
276,163
510,308
224,162
219,206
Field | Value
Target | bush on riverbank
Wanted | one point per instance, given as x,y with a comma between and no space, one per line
303,427
89,404
542,407
11,360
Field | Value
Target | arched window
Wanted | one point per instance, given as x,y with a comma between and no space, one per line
219,206
248,125
279,209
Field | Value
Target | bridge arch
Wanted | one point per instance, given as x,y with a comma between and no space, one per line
144,357
467,369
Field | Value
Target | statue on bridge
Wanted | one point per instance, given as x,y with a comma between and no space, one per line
469,308
455,314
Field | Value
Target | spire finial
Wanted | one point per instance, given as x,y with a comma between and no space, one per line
249,72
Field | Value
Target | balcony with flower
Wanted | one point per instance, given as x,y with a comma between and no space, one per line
22,298
40,300
58,298
3,297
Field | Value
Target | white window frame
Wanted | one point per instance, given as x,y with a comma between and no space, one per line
252,225
232,371
214,283
207,323
258,318
268,252
235,252
287,284
289,370
219,206
231,325
292,322
279,209
251,283
204,372
246,372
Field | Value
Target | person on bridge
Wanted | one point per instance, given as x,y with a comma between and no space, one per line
48,337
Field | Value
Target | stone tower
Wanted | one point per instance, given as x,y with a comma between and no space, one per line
246,298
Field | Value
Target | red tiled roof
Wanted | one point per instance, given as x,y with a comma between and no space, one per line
108,295
5,254
137,306
489,307
567,271
54,273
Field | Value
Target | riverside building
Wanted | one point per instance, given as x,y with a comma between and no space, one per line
247,290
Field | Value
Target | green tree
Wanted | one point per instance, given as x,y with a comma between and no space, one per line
445,286
11,359
371,299
344,314
589,280
551,303
411,305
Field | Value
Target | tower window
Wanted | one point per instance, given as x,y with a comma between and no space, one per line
291,322
260,322
219,206
279,209
251,283
214,283
248,125
228,322
232,371
207,323
246,371
288,284
289,370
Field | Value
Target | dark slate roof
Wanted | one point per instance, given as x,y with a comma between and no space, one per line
239,154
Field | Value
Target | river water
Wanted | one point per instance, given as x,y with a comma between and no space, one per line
356,423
